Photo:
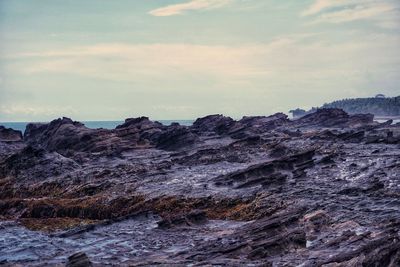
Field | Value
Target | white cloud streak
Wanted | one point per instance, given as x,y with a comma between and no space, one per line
292,66
230,66
27,110
178,9
320,5
340,11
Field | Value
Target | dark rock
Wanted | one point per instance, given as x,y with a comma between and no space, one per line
274,172
192,218
214,123
8,134
262,124
140,123
79,259
334,118
64,135
255,125
35,164
259,240
322,190
352,136
176,137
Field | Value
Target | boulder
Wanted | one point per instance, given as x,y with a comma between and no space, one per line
79,259
8,134
214,123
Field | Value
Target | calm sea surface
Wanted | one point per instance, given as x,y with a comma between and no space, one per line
93,124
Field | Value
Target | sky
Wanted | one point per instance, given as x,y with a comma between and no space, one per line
183,59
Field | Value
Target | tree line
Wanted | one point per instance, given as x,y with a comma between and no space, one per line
379,106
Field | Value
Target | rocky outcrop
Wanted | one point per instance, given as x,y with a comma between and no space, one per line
270,173
62,135
262,124
244,128
35,164
8,134
66,136
141,123
175,137
218,124
335,118
322,190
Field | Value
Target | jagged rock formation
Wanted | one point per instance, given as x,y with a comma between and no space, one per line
335,118
322,190
7,134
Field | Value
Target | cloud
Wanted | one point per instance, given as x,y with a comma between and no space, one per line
340,11
26,111
298,68
178,9
124,62
320,5
297,57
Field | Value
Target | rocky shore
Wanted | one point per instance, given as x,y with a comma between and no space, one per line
323,190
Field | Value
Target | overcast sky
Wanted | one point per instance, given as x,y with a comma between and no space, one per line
181,59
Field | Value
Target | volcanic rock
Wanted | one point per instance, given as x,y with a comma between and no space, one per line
214,123
269,173
192,218
79,259
35,164
175,137
322,190
336,118
8,134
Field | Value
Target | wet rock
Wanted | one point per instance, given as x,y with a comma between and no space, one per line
262,124
352,136
382,251
387,136
64,134
192,218
322,190
8,134
335,118
259,240
140,123
270,173
35,164
315,223
214,123
79,259
67,137
176,137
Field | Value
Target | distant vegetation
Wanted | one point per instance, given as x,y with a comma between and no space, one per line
379,106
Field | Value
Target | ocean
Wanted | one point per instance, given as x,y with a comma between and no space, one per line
93,124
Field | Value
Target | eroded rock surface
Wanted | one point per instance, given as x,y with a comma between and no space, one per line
7,134
322,190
